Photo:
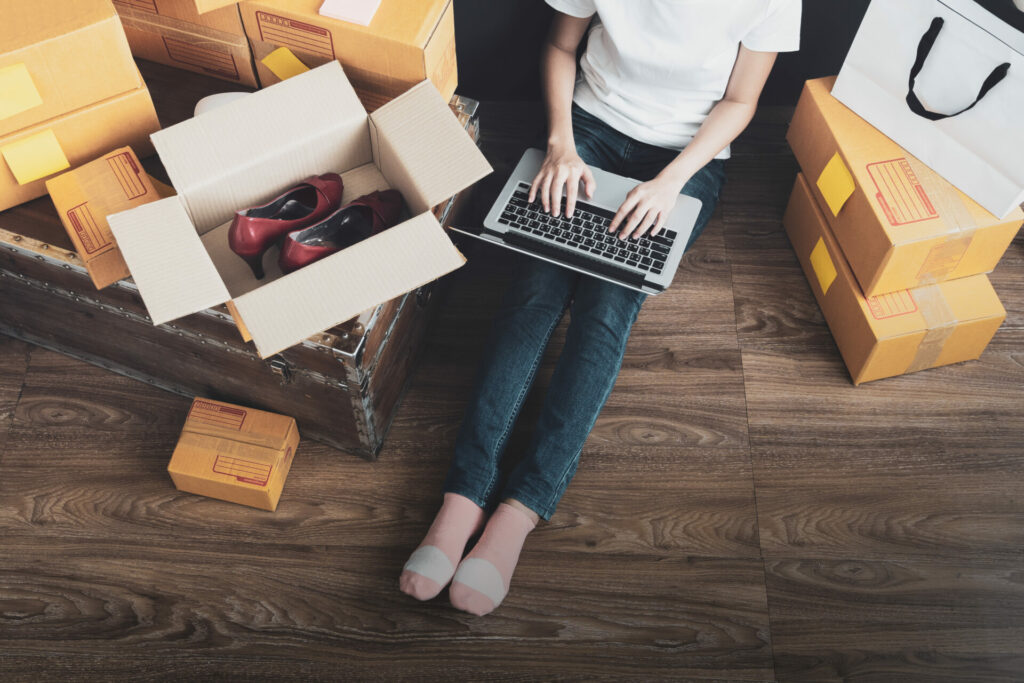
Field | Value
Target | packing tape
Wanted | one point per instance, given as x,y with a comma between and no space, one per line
18,91
960,227
940,323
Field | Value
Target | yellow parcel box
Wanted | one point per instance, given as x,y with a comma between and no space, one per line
234,453
894,333
900,225
57,56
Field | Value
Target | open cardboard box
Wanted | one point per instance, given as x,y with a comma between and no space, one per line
247,152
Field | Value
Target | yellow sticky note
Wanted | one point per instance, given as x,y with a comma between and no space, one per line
17,91
284,64
821,263
35,157
836,184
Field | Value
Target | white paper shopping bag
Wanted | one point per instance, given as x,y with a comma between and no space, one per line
945,80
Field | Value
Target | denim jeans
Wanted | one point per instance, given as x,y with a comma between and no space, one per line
601,316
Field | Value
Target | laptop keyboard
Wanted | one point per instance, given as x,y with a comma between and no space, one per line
585,233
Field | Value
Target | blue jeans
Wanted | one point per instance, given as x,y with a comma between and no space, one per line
601,317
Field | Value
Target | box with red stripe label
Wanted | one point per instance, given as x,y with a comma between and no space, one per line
897,332
405,43
213,44
234,453
900,224
85,197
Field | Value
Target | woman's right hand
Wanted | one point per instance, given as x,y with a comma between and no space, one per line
561,171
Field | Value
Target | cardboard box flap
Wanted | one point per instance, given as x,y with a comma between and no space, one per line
172,270
246,152
28,23
319,296
438,159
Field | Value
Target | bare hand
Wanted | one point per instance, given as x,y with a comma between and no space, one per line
562,169
647,206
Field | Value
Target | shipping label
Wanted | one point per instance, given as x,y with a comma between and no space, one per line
297,35
892,305
216,415
89,234
128,174
219,62
245,471
900,194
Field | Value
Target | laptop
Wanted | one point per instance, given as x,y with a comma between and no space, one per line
583,243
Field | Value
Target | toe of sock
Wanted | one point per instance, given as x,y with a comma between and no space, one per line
469,600
418,586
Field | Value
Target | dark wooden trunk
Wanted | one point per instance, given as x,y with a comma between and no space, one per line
342,386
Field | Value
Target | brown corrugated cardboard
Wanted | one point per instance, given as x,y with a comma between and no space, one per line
249,150
202,47
85,196
900,225
65,55
234,453
895,333
74,139
226,19
407,41
204,6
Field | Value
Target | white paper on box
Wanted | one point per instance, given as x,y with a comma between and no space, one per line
377,269
172,270
353,11
977,151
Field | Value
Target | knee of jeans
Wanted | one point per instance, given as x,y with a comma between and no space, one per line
608,325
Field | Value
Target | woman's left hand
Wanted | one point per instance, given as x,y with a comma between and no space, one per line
647,206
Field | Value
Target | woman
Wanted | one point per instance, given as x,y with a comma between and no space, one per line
667,85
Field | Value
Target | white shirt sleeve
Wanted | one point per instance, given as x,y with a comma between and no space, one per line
778,31
575,8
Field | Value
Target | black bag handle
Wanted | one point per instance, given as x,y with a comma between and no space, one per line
923,50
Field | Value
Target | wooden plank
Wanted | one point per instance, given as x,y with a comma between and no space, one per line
333,607
922,620
804,399
14,359
890,503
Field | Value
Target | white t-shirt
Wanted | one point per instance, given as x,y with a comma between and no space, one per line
653,69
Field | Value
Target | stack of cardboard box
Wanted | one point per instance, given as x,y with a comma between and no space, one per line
406,42
895,255
69,92
190,35
263,42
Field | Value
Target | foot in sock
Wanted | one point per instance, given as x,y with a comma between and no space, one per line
482,579
432,565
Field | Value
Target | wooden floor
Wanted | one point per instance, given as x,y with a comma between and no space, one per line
741,511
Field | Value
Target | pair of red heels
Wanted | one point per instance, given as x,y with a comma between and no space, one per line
310,223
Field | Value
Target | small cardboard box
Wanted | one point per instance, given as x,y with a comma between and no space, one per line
233,453
172,32
85,196
406,42
900,225
29,156
251,150
895,333
57,57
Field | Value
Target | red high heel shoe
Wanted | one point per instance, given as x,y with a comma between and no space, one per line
352,223
253,231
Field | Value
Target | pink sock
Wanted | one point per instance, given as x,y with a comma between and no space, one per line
482,579
432,564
